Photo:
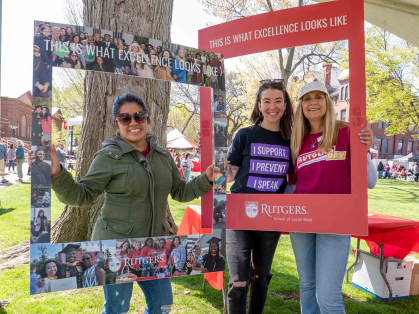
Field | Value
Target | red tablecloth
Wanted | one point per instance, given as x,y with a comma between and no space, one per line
191,222
400,236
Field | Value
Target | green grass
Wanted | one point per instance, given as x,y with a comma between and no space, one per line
395,201
402,183
283,291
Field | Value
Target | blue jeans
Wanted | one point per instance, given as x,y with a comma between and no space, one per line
186,173
321,264
158,295
380,174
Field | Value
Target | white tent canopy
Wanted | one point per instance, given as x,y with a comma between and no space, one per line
173,134
177,140
405,158
400,17
75,121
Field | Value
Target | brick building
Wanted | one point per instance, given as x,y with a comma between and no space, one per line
388,147
17,112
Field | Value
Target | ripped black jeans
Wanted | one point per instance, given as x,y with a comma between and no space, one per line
249,255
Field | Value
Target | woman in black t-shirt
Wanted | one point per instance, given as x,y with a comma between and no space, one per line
258,161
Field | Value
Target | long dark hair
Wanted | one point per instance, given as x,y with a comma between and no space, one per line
43,273
172,245
146,243
122,245
285,124
47,114
43,217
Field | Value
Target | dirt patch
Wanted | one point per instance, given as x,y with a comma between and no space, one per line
348,297
15,256
287,296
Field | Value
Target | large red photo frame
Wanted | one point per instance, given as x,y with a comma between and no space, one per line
324,213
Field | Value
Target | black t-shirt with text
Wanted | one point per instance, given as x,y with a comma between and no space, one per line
264,160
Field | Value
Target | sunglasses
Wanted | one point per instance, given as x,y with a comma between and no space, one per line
37,51
74,55
126,118
86,259
272,81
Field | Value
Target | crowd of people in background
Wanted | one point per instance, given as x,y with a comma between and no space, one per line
398,171
11,156
184,160
63,47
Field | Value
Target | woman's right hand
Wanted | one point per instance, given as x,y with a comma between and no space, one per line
55,163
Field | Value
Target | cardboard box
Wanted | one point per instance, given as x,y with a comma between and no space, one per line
414,283
368,278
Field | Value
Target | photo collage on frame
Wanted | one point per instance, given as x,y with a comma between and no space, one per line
58,267
106,261
220,158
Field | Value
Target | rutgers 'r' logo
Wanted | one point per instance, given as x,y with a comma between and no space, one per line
251,209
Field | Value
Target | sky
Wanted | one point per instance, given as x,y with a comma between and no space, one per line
17,35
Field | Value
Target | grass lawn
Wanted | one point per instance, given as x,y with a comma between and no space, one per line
283,292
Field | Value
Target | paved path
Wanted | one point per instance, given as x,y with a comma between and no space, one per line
12,177
398,187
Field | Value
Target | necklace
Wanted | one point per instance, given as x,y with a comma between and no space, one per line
316,142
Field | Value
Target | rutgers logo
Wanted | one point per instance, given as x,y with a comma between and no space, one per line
251,209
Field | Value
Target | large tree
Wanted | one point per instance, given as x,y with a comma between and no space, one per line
392,68
147,18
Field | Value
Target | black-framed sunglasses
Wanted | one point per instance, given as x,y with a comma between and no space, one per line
126,118
37,51
272,81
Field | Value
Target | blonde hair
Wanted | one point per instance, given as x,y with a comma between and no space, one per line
302,127
19,143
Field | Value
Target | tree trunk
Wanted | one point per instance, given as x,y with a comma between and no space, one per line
148,18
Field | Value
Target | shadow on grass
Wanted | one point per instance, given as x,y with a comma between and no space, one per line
398,195
4,211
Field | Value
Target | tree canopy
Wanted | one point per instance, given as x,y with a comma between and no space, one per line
392,76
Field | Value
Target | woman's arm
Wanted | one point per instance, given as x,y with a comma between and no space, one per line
100,275
86,190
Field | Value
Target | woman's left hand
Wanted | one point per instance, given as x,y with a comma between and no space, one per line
210,173
367,137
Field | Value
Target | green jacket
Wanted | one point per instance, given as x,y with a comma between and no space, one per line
136,189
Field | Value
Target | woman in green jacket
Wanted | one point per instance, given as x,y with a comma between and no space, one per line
137,176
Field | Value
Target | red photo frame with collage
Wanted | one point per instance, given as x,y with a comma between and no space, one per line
324,22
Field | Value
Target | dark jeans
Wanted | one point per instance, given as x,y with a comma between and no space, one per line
11,165
249,254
